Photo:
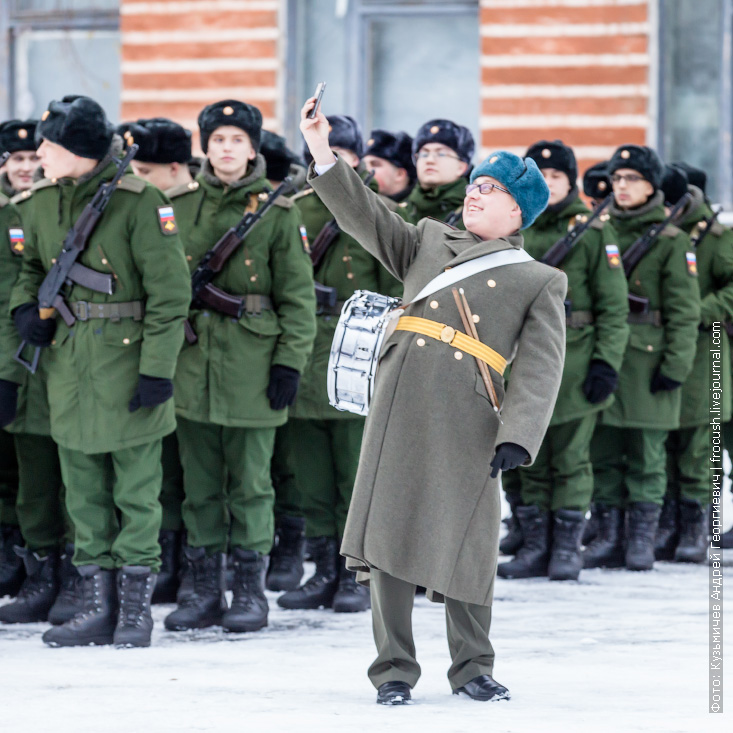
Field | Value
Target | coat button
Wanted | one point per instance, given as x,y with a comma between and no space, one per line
434,304
189,257
491,283
248,262
126,341
650,348
104,262
349,275
637,282
420,342
253,278
476,317
458,355
53,343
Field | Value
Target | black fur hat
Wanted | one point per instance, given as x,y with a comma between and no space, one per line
344,132
231,112
17,135
160,140
78,124
596,181
638,158
448,133
695,176
278,156
674,184
556,155
395,147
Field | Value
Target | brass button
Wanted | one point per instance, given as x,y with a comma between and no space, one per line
546,153
22,133
253,278
625,154
53,343
228,111
420,342
125,341
193,185
434,304
434,130
349,275
447,334
53,180
104,261
458,355
53,260
491,283
346,258
650,348
248,262
476,317
637,282
189,258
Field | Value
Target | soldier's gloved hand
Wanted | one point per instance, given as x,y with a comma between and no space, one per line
283,386
151,391
660,383
508,456
31,327
8,402
601,381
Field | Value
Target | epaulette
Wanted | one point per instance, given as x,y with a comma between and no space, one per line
19,198
4,200
284,202
717,229
182,189
671,231
301,194
599,222
132,183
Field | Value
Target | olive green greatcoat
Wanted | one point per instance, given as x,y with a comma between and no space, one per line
594,285
424,508
439,202
223,378
93,368
663,277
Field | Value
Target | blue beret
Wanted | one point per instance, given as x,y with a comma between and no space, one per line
521,177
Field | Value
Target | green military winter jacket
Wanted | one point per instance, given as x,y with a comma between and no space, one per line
439,202
223,378
597,286
662,276
715,278
93,367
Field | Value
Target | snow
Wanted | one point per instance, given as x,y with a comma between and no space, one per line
617,651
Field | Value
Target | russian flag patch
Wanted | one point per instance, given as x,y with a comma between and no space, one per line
17,241
691,258
613,256
167,220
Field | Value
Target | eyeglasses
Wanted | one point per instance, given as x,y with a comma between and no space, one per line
629,178
484,188
440,155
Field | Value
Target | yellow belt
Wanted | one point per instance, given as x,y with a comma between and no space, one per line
456,339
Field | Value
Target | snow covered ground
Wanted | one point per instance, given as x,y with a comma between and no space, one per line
617,651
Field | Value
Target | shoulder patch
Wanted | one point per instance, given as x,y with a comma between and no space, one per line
597,223
4,200
20,197
38,185
284,202
132,183
691,259
167,220
613,256
182,189
16,238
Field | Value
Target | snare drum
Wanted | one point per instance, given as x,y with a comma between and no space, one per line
357,343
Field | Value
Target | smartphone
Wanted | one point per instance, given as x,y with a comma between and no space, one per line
318,94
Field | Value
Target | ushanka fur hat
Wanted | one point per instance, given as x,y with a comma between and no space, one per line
454,136
521,177
674,184
160,140
231,112
641,159
18,135
695,176
596,181
394,147
278,157
343,132
555,155
78,124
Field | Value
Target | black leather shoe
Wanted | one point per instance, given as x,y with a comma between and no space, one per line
394,693
484,688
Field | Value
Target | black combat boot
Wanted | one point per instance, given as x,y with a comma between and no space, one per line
350,596
249,606
286,558
668,531
693,543
135,587
642,520
12,570
95,623
533,556
69,601
39,589
168,579
566,560
185,587
590,529
206,605
512,540
607,548
320,589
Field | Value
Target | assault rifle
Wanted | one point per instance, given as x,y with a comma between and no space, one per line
66,270
705,226
557,253
203,293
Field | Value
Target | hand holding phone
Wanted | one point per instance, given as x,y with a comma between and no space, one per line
318,94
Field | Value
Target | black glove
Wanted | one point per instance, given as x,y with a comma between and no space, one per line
601,381
31,327
283,386
151,391
508,456
8,402
660,383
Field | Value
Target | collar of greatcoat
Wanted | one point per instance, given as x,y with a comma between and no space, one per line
466,246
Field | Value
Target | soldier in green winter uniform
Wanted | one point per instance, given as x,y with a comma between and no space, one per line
556,490
325,442
682,532
234,383
442,151
50,590
110,373
627,450
389,155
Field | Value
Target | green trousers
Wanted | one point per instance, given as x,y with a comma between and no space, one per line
629,465
171,491
227,471
42,516
561,476
8,480
113,502
326,456
688,464
287,496
467,626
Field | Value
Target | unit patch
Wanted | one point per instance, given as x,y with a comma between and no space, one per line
613,256
167,220
304,239
691,263
17,241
